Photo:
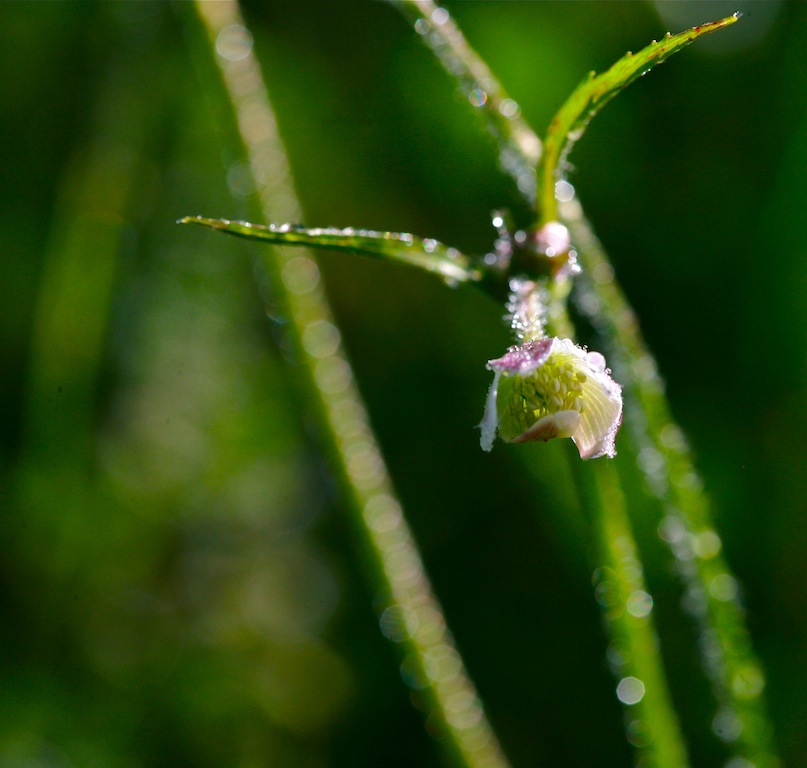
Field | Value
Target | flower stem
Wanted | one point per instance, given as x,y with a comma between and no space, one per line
651,723
735,674
731,665
345,428
519,145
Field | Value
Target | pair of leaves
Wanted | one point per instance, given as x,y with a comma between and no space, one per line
454,267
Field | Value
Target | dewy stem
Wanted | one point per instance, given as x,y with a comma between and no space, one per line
343,419
519,146
712,592
651,722
733,669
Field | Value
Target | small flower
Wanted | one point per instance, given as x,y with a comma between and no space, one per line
553,388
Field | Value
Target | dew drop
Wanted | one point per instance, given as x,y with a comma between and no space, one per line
640,604
630,690
672,437
300,275
739,762
439,16
747,682
671,529
723,587
603,273
639,733
509,108
526,182
564,191
706,544
477,97
615,656
234,43
240,180
727,725
394,625
321,338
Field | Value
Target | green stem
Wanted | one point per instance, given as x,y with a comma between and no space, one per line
732,667
736,675
519,146
411,604
651,722
652,725
78,278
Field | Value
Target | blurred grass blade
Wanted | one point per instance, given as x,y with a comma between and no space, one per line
80,269
627,610
611,314
593,94
398,572
736,676
519,146
427,254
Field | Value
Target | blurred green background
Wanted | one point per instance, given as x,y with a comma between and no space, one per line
178,578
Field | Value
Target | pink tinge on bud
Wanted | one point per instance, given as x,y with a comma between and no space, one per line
549,388
552,239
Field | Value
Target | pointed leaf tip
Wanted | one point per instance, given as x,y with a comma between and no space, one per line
593,93
425,253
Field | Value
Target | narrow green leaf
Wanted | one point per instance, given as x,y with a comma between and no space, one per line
593,94
424,253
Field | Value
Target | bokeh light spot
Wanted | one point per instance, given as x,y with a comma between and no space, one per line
630,690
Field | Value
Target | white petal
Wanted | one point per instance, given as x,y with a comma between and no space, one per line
600,420
490,421
560,424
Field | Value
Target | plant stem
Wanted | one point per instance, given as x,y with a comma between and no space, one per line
410,602
651,723
735,673
712,593
519,146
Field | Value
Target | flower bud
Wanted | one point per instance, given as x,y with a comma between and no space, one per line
553,388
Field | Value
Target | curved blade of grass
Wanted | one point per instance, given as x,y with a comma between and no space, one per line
427,254
733,669
397,567
593,94
619,581
519,146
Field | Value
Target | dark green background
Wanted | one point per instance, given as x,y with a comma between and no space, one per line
178,578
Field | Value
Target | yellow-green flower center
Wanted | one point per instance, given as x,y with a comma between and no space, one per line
556,386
